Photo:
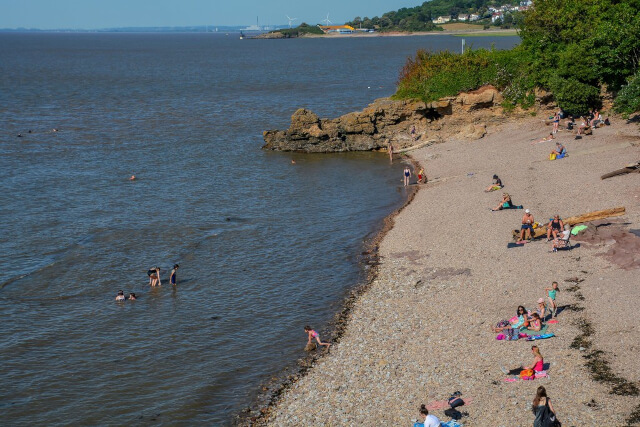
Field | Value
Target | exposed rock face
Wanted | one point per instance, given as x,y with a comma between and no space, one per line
387,120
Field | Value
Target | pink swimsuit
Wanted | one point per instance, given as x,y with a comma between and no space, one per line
539,366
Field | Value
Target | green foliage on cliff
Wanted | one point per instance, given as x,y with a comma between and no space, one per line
570,47
628,99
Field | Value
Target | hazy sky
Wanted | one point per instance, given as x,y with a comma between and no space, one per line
92,14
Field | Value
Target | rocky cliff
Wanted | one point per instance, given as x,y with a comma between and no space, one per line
464,116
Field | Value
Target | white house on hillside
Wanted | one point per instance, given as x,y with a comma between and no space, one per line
442,19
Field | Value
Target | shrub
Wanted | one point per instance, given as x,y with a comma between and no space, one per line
628,99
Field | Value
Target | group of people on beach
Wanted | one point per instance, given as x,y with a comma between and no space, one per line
557,230
407,173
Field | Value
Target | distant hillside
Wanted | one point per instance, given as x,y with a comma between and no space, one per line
420,18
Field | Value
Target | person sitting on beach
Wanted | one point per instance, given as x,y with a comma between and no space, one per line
120,296
313,334
527,225
505,203
172,277
562,237
554,227
584,128
596,119
541,310
535,322
519,321
560,151
154,276
132,297
538,361
497,184
429,420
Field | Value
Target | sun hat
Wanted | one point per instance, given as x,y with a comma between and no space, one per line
527,211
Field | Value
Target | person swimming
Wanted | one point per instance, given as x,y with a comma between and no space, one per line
132,297
132,178
120,296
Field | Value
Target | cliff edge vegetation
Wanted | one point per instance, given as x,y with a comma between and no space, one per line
580,50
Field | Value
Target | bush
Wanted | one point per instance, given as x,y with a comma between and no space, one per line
431,76
628,99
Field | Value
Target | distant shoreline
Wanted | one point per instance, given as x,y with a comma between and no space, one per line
471,33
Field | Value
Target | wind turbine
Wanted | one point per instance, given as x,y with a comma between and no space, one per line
326,21
290,20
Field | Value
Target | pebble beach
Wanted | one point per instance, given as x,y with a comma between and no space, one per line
447,274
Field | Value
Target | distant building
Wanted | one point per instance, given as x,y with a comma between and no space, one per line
496,15
463,17
473,17
342,29
526,3
442,19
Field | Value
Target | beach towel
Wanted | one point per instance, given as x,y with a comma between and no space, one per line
540,337
442,404
578,228
552,321
451,423
538,374
530,332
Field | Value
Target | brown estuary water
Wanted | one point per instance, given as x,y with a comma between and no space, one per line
264,246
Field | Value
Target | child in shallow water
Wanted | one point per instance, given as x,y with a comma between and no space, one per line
313,334
120,296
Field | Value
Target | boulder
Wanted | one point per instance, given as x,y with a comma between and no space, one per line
485,97
474,131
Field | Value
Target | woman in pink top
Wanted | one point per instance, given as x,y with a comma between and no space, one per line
538,361
313,334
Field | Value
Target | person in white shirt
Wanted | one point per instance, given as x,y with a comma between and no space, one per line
564,236
429,420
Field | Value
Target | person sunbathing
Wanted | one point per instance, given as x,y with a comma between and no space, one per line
560,151
505,203
554,227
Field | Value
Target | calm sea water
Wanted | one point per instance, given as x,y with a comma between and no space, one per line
264,246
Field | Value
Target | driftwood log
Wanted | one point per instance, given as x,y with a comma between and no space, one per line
573,220
628,169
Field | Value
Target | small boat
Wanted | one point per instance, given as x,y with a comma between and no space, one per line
241,35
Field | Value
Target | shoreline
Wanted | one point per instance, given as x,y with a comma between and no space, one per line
273,390
342,377
498,32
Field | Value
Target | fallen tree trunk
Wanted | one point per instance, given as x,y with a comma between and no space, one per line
629,169
573,220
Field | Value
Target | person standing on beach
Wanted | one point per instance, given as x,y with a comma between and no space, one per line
172,276
552,291
407,175
390,150
313,334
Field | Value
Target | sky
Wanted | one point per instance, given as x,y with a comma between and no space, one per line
97,14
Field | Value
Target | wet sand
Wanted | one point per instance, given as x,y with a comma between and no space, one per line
422,329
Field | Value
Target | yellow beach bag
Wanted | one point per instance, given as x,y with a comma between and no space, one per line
552,156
